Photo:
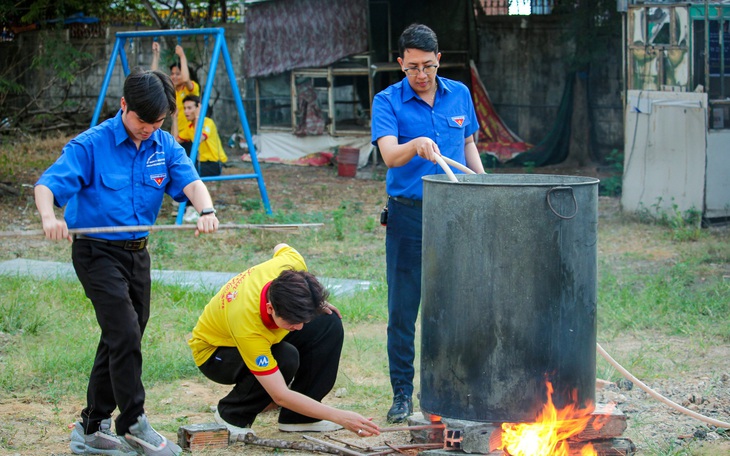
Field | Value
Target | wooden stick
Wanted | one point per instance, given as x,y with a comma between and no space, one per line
349,444
251,439
412,446
396,448
342,449
413,428
133,229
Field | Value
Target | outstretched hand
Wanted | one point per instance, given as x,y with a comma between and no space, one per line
363,427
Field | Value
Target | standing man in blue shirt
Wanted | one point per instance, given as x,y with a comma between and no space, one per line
414,120
116,174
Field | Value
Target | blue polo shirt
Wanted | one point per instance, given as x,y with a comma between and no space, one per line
103,180
398,111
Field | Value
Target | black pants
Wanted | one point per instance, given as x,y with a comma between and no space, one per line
308,359
117,282
209,168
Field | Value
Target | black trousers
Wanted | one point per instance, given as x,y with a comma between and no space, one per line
117,282
308,359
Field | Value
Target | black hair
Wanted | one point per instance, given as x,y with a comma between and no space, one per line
193,98
418,36
150,94
191,70
297,296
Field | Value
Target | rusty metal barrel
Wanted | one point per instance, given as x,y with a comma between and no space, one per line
508,295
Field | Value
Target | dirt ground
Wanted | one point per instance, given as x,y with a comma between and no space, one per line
30,427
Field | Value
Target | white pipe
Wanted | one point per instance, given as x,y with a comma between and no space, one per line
447,170
457,165
657,396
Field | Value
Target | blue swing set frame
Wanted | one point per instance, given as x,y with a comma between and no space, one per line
219,49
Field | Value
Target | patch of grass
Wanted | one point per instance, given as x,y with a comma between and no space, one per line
684,225
366,306
671,300
35,362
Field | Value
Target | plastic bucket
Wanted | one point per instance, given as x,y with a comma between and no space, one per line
347,159
508,295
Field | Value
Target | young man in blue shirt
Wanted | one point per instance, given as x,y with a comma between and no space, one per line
114,175
414,120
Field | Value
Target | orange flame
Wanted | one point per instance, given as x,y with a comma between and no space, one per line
549,434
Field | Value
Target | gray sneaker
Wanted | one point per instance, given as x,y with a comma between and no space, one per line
103,441
147,441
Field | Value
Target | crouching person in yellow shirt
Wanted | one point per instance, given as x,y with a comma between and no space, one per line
210,152
269,327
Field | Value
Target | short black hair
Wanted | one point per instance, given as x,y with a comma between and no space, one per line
150,94
193,98
418,36
297,296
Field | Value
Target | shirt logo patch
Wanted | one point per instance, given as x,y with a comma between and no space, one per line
458,120
262,361
231,296
156,159
158,178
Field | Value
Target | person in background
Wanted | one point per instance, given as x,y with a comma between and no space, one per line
272,334
211,155
115,175
181,76
414,120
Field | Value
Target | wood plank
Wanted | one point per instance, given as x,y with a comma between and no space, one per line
606,447
606,422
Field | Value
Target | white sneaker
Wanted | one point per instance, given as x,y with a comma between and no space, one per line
191,215
317,426
234,430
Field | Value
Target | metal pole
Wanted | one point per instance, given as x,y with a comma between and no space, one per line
707,47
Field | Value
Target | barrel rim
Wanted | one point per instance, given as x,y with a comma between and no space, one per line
463,179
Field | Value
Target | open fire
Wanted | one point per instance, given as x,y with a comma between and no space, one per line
550,433
577,429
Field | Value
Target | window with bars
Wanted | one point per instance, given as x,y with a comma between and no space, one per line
514,7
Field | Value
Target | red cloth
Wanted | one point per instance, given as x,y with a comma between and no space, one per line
314,159
495,138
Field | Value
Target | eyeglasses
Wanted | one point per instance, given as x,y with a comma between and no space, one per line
414,71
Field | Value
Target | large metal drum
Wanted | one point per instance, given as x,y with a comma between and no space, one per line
508,295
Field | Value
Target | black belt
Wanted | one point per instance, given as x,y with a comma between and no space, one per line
132,244
406,201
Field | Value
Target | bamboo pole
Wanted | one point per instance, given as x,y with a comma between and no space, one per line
152,228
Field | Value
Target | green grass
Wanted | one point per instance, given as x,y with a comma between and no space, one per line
663,283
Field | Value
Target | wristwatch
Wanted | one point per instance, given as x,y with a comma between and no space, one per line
207,211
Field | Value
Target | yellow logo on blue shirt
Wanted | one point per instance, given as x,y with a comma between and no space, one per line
262,361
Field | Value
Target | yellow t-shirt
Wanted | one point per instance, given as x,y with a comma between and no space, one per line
236,316
211,149
182,122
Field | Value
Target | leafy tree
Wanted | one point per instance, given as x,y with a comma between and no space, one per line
160,13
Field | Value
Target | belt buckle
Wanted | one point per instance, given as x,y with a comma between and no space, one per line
137,244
